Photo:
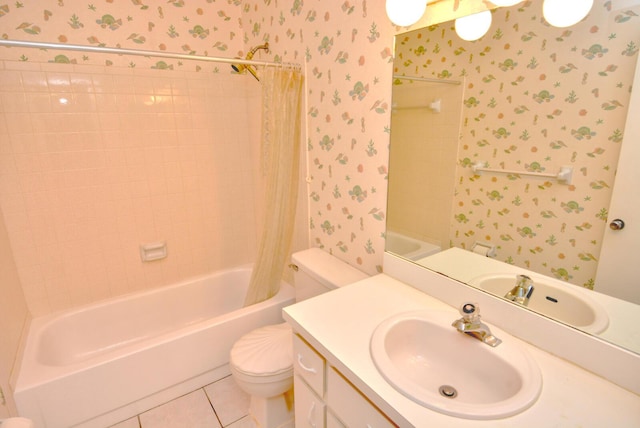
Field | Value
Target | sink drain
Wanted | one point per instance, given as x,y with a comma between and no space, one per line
448,391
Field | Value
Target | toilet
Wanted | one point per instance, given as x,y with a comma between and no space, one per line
261,361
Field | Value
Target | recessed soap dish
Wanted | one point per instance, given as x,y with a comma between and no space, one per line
154,251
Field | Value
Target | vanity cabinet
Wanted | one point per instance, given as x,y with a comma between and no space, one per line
324,398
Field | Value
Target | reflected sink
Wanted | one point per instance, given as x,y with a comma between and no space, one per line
555,299
426,359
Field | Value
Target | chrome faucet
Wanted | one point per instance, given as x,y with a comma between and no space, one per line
522,290
470,324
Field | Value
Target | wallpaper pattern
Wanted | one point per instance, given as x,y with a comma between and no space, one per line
536,98
346,50
194,27
346,47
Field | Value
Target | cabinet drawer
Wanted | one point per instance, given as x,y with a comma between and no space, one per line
309,409
308,364
350,406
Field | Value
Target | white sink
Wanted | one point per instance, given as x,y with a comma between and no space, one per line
555,299
420,354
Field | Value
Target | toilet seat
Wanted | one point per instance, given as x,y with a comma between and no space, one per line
266,353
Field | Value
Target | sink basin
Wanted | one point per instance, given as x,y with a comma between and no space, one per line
426,359
559,300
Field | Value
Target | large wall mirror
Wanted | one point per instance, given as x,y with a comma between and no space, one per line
508,147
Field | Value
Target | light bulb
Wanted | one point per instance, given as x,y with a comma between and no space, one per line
472,27
564,13
405,12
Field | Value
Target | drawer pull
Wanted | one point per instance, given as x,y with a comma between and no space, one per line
305,368
310,416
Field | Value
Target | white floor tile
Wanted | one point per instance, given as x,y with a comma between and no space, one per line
230,402
190,411
129,423
245,422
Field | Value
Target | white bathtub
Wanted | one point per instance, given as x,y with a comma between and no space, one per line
103,363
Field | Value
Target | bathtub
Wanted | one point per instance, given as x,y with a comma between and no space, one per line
100,364
407,247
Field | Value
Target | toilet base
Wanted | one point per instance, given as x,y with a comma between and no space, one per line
273,412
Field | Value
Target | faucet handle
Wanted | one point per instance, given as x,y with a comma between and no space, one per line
524,279
526,283
470,312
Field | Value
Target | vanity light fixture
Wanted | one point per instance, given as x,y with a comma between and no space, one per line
405,12
564,13
472,27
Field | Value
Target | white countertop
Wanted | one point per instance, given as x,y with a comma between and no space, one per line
339,324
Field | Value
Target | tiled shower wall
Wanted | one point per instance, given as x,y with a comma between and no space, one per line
424,145
95,161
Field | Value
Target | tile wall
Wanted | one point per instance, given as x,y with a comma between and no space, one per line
424,144
96,161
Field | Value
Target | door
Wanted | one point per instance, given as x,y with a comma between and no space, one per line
618,272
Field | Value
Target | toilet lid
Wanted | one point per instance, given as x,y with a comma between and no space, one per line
265,351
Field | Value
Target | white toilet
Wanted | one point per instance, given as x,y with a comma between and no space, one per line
262,360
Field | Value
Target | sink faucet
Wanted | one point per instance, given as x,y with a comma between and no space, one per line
522,290
470,324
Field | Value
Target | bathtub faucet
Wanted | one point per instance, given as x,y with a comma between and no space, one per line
522,290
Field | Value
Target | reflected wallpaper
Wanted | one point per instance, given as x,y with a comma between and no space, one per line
536,98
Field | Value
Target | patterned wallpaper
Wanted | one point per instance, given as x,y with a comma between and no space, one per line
346,47
536,98
197,27
347,73
346,50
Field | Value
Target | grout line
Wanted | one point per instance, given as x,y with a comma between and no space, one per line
212,406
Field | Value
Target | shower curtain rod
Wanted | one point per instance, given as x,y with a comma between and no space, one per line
136,52
427,79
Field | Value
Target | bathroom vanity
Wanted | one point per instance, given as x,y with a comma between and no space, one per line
338,384
324,397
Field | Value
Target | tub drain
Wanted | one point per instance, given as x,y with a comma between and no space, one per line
448,391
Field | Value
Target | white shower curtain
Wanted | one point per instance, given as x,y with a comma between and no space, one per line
281,117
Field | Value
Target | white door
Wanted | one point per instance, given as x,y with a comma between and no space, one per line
618,272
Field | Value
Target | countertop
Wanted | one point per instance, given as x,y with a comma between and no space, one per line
339,324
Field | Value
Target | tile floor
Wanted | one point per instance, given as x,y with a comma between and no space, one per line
221,404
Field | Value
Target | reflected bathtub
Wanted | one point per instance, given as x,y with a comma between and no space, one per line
100,364
409,248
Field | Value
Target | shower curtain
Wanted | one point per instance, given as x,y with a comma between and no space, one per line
281,117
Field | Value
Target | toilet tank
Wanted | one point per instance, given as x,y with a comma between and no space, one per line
318,272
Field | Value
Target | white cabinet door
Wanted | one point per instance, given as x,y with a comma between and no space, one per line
309,409
308,364
350,406
333,421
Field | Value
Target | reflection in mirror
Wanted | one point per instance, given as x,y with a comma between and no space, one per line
531,98
425,128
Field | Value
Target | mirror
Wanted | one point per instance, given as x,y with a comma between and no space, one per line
525,101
